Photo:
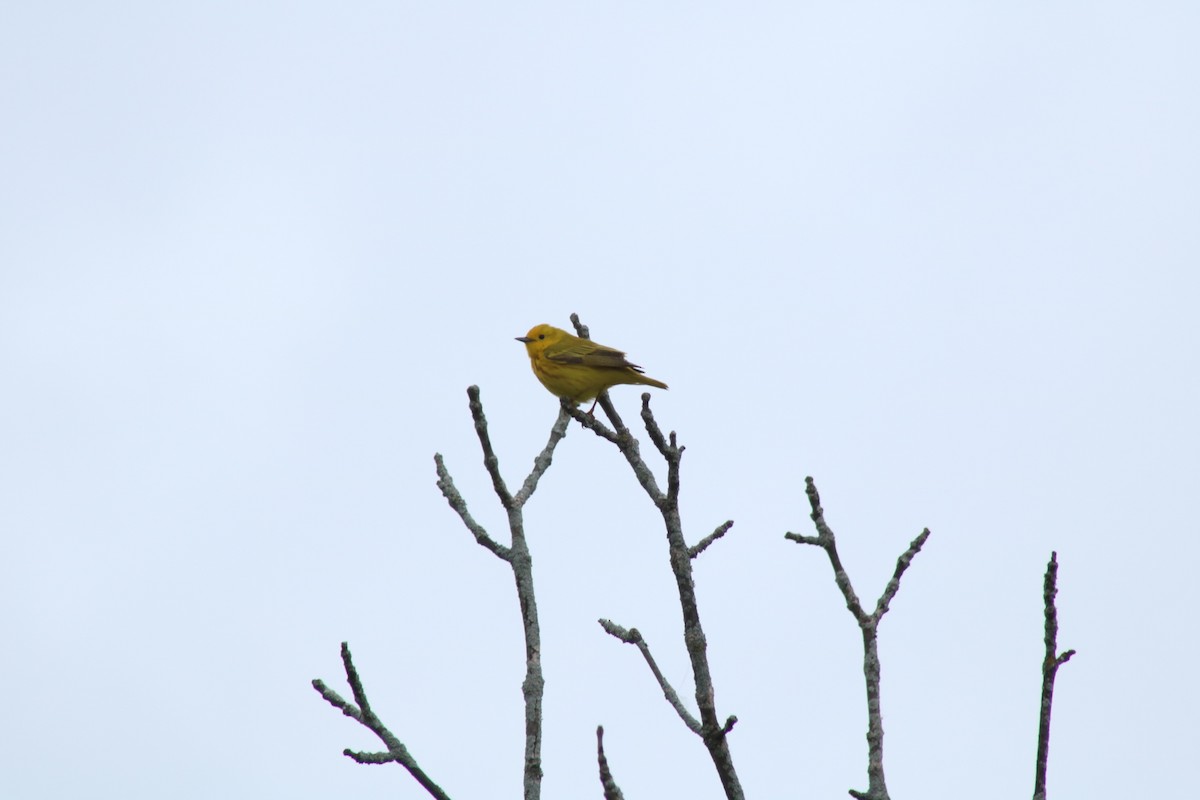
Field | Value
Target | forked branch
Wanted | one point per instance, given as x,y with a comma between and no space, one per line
363,715
634,637
709,726
516,555
518,558
869,625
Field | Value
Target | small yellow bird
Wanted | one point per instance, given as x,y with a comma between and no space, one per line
578,369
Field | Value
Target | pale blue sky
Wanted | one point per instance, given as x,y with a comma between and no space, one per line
941,256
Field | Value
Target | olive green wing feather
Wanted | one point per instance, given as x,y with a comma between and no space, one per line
590,354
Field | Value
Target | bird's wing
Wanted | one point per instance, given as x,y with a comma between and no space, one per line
590,354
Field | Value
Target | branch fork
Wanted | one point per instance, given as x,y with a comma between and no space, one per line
362,714
708,726
869,625
517,556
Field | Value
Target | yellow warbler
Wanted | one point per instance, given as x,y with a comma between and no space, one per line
578,369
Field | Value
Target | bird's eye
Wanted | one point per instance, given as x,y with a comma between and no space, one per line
542,336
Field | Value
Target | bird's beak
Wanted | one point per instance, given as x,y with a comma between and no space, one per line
524,339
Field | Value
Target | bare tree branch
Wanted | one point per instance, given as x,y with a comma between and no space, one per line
450,492
611,790
828,542
1050,664
362,713
518,557
490,461
542,462
702,545
589,421
902,564
711,729
626,443
581,330
869,625
634,637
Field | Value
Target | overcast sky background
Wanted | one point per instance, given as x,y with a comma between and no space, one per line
943,257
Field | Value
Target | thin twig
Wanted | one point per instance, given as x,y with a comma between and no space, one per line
702,545
869,626
581,330
902,564
450,492
634,637
611,790
1050,664
610,411
589,421
828,542
541,463
362,713
490,461
652,429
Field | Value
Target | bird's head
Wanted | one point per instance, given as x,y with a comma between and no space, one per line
540,337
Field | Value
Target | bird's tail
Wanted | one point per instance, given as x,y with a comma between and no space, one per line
646,380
